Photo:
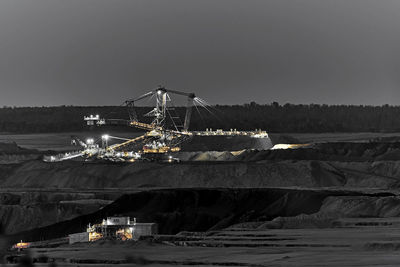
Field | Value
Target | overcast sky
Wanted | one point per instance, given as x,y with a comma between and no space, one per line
98,52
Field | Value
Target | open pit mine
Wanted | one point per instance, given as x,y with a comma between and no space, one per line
172,196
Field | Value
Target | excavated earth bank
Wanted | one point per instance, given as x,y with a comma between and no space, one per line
47,200
178,210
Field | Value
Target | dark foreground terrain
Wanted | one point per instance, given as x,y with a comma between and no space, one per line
363,242
331,202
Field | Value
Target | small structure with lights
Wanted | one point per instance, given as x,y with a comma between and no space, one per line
117,227
21,246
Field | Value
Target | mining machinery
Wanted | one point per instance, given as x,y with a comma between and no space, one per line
161,139
158,138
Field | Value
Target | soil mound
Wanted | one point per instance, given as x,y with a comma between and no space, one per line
283,173
36,174
340,151
11,153
335,208
301,221
10,147
283,139
361,206
27,210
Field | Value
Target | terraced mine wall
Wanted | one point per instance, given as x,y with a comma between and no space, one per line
178,210
36,194
282,173
20,211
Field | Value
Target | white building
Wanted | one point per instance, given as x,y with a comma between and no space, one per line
121,228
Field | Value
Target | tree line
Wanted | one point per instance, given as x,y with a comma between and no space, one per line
289,118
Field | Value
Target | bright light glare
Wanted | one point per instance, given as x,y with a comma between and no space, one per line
89,141
288,146
105,137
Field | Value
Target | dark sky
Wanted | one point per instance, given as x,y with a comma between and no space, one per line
97,52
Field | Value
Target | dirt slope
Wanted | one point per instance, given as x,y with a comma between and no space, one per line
178,210
36,174
27,210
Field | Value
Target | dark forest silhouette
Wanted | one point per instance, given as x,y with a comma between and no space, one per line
270,117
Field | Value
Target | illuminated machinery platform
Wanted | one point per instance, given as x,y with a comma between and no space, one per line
166,132
232,132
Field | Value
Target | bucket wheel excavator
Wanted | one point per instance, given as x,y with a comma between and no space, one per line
160,137
163,135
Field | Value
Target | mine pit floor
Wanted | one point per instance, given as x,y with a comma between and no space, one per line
364,245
